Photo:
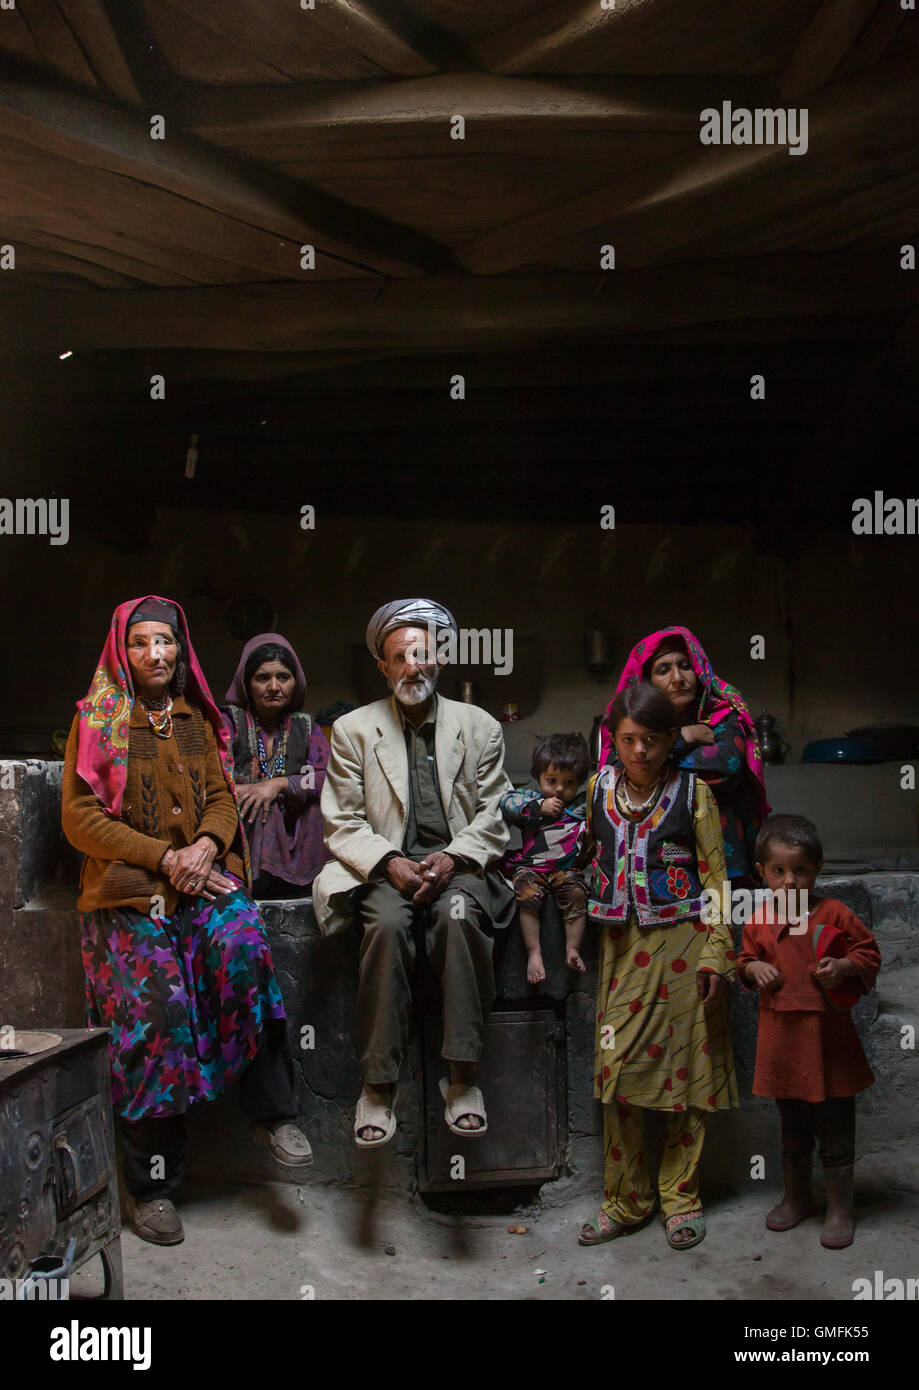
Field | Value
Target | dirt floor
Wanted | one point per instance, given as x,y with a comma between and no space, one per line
280,1241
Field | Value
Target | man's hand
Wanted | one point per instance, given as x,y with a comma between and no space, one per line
763,975
255,797
697,733
191,866
712,989
831,972
437,870
404,875
553,806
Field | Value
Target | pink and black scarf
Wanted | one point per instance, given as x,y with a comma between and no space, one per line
718,699
105,713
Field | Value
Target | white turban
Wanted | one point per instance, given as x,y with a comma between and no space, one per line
405,612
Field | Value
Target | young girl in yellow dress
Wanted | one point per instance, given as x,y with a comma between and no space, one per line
662,1038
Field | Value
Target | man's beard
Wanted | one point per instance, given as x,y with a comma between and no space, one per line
414,692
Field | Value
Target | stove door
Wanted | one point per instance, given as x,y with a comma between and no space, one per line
82,1162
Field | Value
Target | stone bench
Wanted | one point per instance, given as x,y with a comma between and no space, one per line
43,987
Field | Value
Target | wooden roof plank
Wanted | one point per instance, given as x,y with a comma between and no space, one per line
824,43
88,258
874,40
850,195
90,23
883,98
649,36
93,134
335,39
371,119
150,224
56,42
37,254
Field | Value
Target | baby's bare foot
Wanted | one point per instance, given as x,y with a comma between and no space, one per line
573,960
536,971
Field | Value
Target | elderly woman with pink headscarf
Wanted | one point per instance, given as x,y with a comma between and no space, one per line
717,738
177,963
280,758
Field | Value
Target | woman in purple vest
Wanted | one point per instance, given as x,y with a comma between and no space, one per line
662,1038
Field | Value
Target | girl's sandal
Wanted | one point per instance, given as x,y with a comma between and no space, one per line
600,1230
693,1221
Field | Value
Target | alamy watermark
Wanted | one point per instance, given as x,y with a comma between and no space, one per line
36,516
885,516
764,125
76,1343
885,1290
470,646
34,1290
737,905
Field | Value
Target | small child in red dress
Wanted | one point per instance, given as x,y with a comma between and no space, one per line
810,966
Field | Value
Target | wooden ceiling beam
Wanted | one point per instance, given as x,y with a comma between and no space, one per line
56,42
496,102
824,44
108,266
882,100
90,133
90,23
48,264
392,39
451,313
653,36
395,38
874,41
540,36
158,230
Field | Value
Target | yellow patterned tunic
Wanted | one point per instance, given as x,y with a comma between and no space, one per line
655,1045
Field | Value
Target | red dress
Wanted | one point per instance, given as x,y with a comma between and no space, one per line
806,1049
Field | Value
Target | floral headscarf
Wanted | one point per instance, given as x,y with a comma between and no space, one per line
718,699
105,713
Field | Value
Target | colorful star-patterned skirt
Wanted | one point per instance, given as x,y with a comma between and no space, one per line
185,998
656,1047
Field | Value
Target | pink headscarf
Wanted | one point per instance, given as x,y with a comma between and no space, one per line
105,713
239,695
717,700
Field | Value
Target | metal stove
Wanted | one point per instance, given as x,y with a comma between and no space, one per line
58,1180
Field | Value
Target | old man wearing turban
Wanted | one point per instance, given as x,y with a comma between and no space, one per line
411,813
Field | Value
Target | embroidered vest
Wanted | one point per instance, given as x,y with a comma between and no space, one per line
648,867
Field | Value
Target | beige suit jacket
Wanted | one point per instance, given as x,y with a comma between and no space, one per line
366,794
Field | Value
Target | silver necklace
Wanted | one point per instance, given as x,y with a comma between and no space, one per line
644,805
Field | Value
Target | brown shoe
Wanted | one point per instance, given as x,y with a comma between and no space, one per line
288,1145
156,1220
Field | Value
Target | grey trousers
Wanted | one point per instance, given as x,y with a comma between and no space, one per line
458,948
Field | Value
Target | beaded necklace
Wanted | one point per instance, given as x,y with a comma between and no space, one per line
275,766
624,801
159,715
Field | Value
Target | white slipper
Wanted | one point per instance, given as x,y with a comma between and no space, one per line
382,1117
463,1100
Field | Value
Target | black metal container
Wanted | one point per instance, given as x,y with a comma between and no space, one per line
58,1182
